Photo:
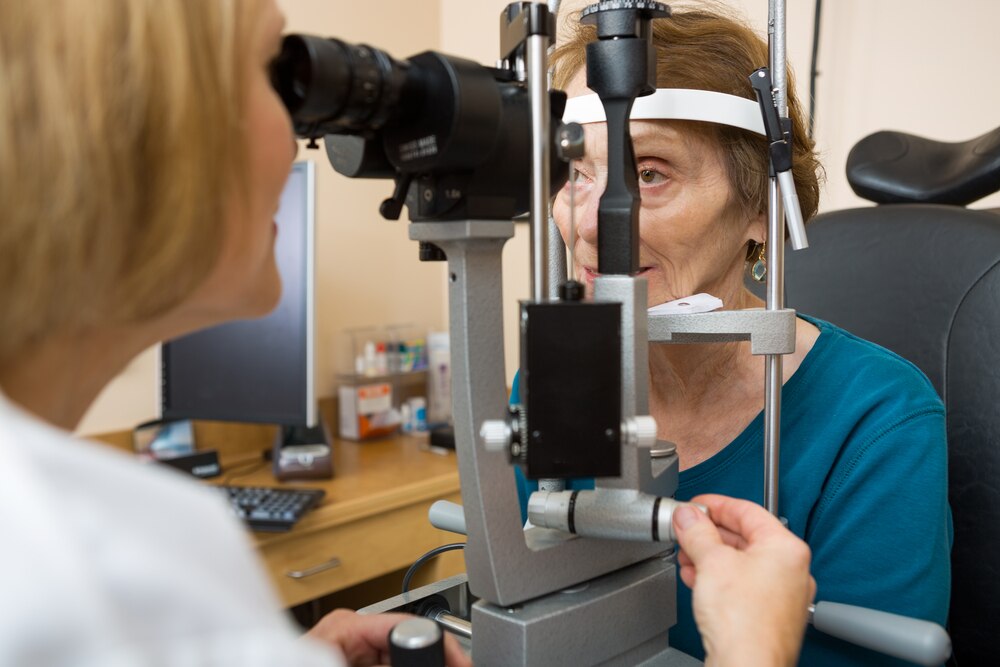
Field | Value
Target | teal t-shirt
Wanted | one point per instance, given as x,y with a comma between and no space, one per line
863,480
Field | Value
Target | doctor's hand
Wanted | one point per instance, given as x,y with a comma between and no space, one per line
750,581
364,640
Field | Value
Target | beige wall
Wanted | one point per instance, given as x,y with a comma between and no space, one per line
921,67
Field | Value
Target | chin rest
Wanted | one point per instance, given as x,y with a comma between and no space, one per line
899,168
924,282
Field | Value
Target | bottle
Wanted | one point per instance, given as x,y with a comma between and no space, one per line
406,413
369,358
418,406
381,360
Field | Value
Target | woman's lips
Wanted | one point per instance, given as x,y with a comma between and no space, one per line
589,273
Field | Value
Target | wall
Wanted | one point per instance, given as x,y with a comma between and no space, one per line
367,271
892,64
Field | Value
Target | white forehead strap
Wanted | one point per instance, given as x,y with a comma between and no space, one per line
675,104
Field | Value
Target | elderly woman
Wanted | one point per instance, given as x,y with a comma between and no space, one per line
863,471
143,153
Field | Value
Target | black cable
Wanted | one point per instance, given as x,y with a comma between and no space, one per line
243,469
426,557
813,72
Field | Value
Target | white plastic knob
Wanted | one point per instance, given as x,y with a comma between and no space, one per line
639,431
496,435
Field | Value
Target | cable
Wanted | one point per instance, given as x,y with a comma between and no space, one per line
426,557
243,469
813,72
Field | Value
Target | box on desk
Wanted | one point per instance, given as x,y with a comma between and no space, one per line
366,410
372,407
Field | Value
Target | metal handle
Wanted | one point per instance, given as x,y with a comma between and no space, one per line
316,569
446,515
922,642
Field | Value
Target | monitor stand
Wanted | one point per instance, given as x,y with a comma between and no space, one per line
302,452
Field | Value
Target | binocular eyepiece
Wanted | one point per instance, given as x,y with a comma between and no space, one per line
330,87
455,136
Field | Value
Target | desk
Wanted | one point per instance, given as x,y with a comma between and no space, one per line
373,518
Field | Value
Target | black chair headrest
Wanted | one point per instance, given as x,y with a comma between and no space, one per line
899,168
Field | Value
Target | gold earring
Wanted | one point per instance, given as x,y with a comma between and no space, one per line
758,270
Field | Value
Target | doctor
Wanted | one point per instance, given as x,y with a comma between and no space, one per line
142,156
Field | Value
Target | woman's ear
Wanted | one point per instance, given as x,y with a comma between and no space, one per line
757,228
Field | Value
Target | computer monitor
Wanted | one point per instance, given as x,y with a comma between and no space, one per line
256,370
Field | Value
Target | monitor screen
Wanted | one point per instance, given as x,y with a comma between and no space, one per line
256,370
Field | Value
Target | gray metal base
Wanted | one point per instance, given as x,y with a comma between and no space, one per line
616,620
650,653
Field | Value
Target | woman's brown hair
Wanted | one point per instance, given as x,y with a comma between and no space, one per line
707,50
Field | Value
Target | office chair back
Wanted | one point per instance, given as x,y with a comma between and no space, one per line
924,282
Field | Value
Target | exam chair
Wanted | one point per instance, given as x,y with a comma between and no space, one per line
920,275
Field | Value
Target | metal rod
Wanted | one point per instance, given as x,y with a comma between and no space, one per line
571,266
454,624
773,365
557,260
540,159
772,430
779,62
775,247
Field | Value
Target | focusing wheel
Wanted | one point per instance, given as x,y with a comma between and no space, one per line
648,9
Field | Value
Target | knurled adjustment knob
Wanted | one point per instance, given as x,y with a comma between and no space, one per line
496,435
651,7
640,431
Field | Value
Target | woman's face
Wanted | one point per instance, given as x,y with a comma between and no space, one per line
690,239
245,280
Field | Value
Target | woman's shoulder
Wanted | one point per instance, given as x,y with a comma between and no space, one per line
857,368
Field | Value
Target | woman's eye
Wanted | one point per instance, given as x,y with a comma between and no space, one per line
651,177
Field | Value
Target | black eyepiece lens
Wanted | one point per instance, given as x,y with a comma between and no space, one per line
291,73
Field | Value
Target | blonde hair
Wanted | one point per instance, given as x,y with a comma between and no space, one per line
120,139
706,49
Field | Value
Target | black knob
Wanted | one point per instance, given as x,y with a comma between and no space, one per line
417,642
623,18
571,290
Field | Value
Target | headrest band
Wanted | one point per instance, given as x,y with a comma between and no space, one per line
675,104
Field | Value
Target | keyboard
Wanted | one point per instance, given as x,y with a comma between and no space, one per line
271,509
